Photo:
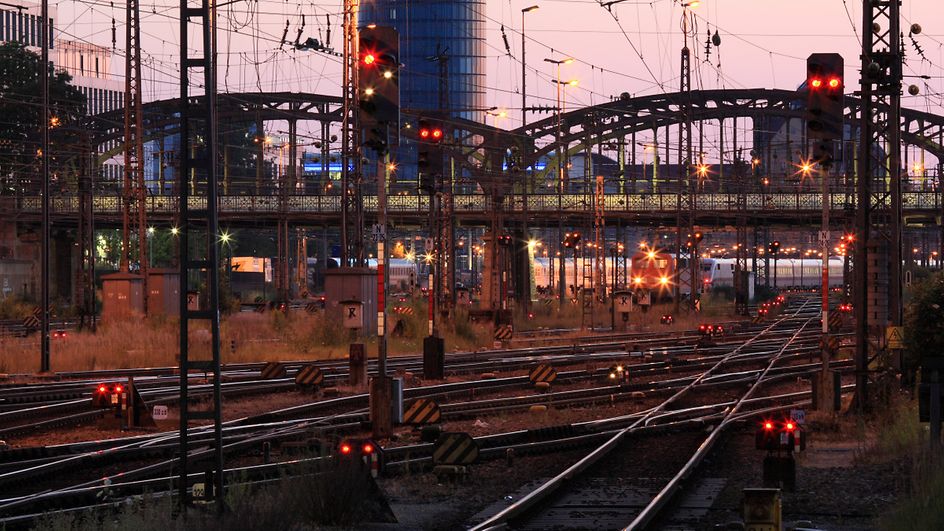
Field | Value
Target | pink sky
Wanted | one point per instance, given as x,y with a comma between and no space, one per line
764,44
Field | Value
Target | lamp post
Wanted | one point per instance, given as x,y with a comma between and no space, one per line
560,176
524,119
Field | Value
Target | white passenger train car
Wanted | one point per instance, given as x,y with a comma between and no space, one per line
790,272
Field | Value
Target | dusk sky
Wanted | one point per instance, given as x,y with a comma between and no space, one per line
764,44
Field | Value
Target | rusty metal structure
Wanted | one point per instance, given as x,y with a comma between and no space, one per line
639,196
199,245
135,191
877,288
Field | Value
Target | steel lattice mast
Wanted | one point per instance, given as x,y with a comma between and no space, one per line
878,184
352,243
135,192
685,203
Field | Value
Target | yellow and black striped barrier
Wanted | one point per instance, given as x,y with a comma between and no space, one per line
422,411
835,321
503,332
273,369
455,448
309,376
543,373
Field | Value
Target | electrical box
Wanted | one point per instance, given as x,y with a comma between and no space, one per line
352,314
623,301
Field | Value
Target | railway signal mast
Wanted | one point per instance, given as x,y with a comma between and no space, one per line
824,114
378,96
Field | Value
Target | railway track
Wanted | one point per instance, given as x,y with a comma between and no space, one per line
684,367
609,489
44,401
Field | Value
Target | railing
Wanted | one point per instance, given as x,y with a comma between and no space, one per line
478,203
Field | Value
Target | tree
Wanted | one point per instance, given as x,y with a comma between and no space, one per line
924,320
21,117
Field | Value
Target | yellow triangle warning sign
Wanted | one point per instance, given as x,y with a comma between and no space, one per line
895,337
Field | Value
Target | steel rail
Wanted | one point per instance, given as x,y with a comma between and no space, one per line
550,486
650,511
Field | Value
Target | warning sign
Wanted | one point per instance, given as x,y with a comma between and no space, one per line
895,337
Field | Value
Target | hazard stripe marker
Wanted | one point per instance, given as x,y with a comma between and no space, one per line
422,411
543,373
455,448
309,376
273,369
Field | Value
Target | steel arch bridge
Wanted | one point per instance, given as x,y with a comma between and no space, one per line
481,151
607,122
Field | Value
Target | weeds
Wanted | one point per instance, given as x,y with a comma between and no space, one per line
330,494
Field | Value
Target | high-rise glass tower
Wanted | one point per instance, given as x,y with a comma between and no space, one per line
428,29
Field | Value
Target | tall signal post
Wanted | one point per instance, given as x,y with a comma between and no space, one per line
378,95
824,114
878,212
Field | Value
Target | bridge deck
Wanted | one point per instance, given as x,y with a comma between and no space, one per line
798,208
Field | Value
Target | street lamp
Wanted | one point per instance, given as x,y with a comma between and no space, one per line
524,119
560,179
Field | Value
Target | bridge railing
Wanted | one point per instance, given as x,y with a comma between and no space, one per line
477,203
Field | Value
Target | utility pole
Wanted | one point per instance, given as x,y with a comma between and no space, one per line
44,365
878,204
199,241
524,64
135,193
685,199
352,248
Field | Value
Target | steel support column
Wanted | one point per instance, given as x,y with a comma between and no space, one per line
878,216
199,241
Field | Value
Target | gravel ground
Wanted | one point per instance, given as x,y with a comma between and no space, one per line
422,501
834,491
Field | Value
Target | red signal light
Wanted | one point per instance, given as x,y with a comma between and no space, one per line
768,425
816,83
102,389
424,133
367,449
345,449
789,426
437,134
117,388
369,58
834,82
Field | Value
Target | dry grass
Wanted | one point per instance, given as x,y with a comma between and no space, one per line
547,316
257,337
